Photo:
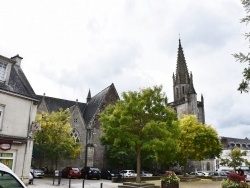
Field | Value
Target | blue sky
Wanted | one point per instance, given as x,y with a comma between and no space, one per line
69,47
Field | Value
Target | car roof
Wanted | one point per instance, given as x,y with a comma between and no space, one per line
7,169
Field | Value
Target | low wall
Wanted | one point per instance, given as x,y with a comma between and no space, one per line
133,179
182,179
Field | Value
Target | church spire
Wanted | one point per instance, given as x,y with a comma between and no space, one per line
182,76
89,96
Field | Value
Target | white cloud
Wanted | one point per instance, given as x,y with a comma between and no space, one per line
71,47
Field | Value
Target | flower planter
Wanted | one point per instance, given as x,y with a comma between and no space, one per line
164,184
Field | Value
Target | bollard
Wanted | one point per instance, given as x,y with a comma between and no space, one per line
83,183
69,182
101,185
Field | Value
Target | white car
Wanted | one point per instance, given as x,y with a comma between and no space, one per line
128,173
247,176
146,173
36,172
203,173
196,174
8,178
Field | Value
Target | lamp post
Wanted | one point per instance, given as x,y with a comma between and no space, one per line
86,147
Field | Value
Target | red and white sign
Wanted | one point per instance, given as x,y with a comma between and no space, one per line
5,147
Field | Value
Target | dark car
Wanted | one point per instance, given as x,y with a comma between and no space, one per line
221,173
91,173
71,172
108,174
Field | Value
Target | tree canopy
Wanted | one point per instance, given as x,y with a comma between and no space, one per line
235,158
245,58
54,141
143,122
197,141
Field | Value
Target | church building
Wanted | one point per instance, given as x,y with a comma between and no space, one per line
86,127
185,97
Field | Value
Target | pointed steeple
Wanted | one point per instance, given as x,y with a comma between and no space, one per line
182,76
89,96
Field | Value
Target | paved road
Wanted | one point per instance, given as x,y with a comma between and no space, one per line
78,183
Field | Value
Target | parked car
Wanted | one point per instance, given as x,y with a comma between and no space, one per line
196,174
221,173
128,173
90,173
71,172
247,176
108,174
36,172
203,173
146,173
8,178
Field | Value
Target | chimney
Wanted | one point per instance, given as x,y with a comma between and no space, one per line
17,59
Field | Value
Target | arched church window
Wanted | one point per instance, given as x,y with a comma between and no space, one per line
75,135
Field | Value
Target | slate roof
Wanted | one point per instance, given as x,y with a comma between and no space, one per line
229,142
53,104
94,104
88,110
18,83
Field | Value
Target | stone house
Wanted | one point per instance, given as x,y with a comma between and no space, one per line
18,106
229,143
86,127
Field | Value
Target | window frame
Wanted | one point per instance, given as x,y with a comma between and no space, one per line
2,108
2,71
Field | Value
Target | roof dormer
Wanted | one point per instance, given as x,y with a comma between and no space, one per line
5,68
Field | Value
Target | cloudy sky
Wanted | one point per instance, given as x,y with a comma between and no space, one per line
69,47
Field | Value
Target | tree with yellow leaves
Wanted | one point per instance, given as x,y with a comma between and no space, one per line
197,142
54,141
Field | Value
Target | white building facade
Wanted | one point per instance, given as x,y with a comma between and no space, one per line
18,106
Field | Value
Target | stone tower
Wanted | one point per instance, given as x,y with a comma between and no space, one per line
185,97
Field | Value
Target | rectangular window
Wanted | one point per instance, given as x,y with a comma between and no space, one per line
1,116
7,158
2,71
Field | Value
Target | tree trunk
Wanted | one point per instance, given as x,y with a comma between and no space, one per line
138,177
185,170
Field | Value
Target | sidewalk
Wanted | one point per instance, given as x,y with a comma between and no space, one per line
48,183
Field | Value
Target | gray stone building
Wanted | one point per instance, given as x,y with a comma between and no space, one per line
185,102
86,127
185,97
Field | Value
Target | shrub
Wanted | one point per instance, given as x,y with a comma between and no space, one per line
234,181
170,178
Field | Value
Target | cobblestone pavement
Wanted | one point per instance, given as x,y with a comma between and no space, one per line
75,183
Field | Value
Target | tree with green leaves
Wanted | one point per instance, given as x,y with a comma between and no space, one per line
245,58
143,122
54,141
235,158
197,141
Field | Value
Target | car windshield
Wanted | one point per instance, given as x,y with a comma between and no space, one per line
7,180
75,168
